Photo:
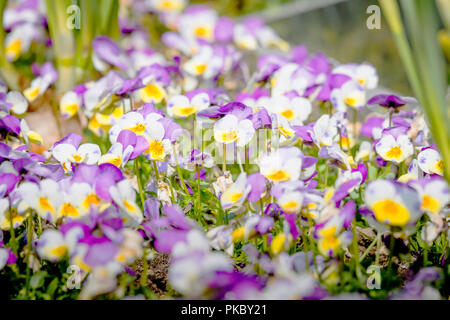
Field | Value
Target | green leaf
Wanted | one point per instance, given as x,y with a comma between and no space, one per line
37,280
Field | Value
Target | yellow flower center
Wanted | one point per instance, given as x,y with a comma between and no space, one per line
153,92
59,251
156,150
440,167
229,136
91,199
70,109
394,153
391,212
77,157
202,32
288,114
138,129
68,210
13,50
350,101
290,206
200,68
31,93
115,161
430,204
238,234
128,206
278,243
279,175
45,204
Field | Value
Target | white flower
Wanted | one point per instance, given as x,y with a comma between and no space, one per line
236,193
69,104
125,197
44,198
282,165
324,130
18,102
430,161
66,154
395,150
229,129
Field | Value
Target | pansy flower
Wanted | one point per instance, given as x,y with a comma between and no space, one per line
296,110
69,105
52,245
46,76
431,162
351,94
393,204
365,74
43,197
230,129
236,193
435,194
68,153
17,101
6,214
394,149
282,165
324,131
183,106
125,197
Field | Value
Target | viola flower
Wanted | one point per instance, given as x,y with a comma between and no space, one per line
128,146
52,245
19,104
430,161
5,219
125,197
29,135
236,193
289,195
168,6
204,63
324,131
46,76
392,204
69,105
68,153
435,194
394,149
351,94
391,101
43,197
230,129
18,41
365,74
282,165
183,106
332,234
291,78
296,110
199,22
365,152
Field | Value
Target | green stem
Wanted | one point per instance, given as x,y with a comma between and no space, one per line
355,249
139,181
364,255
305,248
180,174
27,258
12,232
155,168
198,190
144,275
224,164
377,253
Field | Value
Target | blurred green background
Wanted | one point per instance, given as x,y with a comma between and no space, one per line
337,28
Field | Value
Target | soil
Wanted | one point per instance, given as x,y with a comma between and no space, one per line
157,274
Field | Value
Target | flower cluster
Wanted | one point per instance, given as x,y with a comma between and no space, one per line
273,183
